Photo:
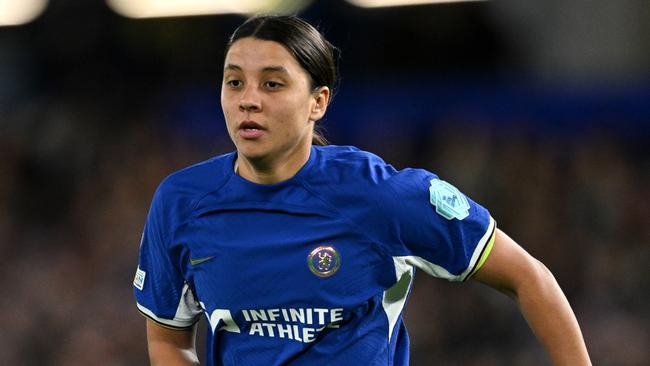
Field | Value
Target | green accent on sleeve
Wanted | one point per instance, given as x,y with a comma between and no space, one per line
194,262
486,252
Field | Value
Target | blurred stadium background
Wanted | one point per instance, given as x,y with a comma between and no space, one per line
539,110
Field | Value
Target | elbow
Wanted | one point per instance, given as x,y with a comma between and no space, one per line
535,281
542,273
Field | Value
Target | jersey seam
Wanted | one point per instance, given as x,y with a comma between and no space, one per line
193,205
351,222
234,205
193,202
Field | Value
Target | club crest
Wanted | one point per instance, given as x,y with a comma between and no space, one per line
324,261
448,200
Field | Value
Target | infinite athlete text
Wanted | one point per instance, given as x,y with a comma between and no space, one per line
298,324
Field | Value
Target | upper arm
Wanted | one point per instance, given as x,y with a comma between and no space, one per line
171,346
509,266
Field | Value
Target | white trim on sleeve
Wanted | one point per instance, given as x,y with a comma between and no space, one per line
439,271
187,312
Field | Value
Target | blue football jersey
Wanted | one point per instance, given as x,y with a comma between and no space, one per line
314,270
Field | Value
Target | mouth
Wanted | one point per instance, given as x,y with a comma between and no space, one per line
250,125
250,129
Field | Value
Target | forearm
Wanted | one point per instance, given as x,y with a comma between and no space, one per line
549,315
511,270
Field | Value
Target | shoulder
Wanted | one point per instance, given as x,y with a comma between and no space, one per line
181,189
343,163
352,166
349,177
350,154
199,177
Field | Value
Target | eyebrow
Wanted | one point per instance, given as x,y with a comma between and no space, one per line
272,68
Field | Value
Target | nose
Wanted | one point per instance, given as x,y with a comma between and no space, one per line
250,100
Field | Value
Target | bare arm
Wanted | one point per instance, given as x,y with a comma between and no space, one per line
511,270
170,347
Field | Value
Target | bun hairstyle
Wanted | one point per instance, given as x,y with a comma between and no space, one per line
312,51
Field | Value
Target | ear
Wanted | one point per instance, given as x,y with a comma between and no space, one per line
321,101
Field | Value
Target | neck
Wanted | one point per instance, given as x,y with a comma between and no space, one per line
269,171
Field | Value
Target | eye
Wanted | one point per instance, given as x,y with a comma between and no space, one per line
273,85
234,83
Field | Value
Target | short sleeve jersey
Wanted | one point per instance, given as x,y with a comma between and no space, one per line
314,270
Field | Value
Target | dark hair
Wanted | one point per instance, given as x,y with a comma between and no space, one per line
312,51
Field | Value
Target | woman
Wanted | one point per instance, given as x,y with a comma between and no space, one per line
300,254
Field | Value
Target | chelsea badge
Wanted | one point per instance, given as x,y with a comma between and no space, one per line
324,261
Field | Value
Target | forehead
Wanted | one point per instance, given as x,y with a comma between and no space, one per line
256,54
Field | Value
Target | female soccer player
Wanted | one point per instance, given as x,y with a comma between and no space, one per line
299,254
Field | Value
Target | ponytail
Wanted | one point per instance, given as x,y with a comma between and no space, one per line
318,138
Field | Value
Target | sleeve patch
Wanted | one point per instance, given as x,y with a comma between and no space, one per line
448,201
138,281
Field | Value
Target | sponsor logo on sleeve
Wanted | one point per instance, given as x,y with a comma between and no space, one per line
138,281
449,202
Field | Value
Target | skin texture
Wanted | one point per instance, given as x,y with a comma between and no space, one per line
264,84
171,347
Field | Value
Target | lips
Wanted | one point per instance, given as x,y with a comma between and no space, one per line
250,125
250,130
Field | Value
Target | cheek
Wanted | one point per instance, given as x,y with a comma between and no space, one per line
229,112
292,121
294,115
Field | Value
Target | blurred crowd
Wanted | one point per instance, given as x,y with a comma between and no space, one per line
74,196
95,110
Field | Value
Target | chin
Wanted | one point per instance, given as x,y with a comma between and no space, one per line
252,152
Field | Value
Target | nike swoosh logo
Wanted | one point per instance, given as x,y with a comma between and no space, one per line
194,262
